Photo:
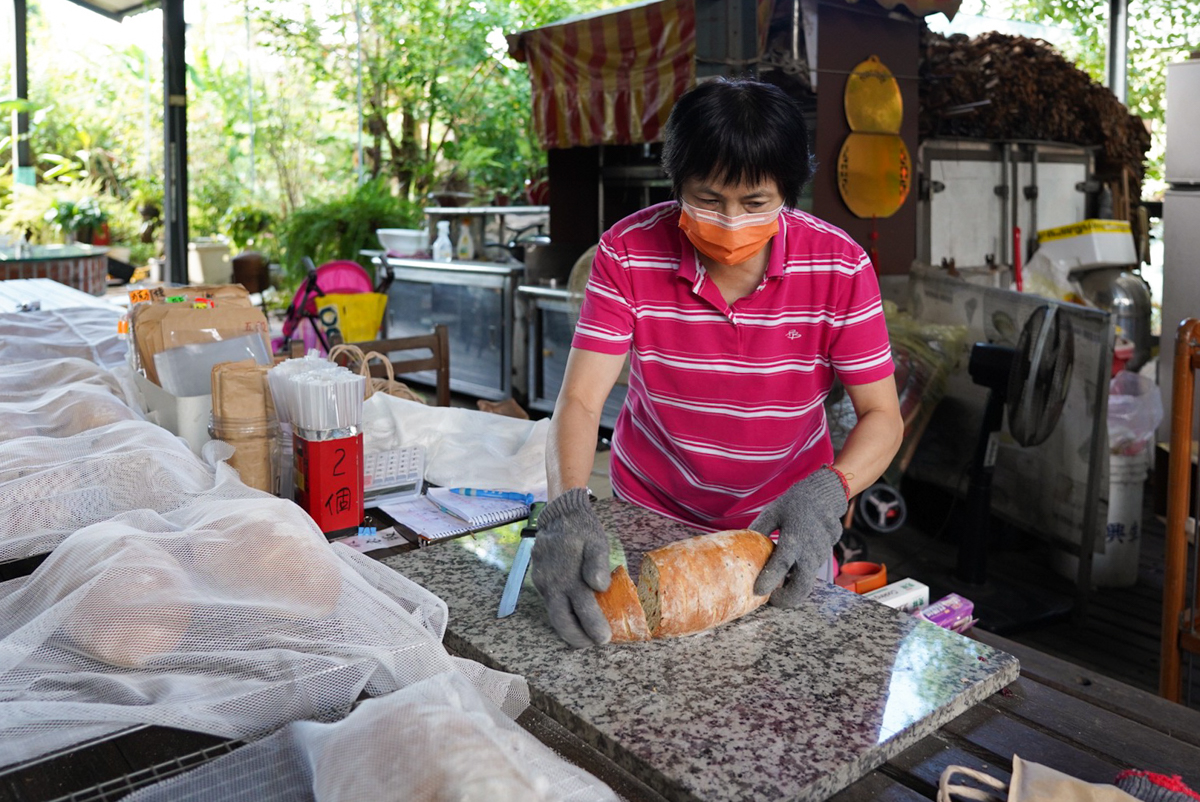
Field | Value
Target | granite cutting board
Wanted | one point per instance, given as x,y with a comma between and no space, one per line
782,704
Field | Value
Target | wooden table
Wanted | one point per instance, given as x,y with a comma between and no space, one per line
1055,713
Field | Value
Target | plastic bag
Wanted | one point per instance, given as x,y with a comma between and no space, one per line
1134,411
438,739
463,447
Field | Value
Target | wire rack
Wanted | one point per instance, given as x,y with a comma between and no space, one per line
119,787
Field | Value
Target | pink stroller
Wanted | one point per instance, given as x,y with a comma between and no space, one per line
302,321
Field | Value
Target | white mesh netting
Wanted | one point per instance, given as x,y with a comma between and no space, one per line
63,411
53,486
231,619
436,741
26,379
87,332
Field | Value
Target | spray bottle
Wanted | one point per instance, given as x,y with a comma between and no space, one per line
443,249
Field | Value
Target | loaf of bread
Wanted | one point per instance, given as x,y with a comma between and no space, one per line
622,608
699,583
130,613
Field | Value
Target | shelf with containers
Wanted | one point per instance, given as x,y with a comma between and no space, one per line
492,227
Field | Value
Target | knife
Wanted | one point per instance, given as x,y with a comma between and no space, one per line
516,575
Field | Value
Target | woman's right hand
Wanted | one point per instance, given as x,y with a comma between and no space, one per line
570,565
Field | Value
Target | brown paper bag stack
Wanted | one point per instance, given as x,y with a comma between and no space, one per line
244,417
159,326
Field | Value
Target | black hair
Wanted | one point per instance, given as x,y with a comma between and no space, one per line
737,131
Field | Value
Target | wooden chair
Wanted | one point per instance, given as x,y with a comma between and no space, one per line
1179,626
437,342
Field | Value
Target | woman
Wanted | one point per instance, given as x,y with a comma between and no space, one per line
737,312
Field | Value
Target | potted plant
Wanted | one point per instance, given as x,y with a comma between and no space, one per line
76,220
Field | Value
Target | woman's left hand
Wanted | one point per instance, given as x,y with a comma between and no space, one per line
809,519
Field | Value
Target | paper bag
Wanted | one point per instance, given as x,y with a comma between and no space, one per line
244,417
157,327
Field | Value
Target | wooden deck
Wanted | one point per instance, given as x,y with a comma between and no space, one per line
1119,636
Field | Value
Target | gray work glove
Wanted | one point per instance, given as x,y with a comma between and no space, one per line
809,519
570,562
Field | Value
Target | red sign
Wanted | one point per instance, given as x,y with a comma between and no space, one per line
329,481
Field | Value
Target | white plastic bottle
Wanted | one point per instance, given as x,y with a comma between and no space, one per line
466,243
443,250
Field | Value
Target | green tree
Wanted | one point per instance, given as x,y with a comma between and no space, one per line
438,91
1160,32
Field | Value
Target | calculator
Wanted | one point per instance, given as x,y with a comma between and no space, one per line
394,475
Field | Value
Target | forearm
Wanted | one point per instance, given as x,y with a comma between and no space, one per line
571,447
869,448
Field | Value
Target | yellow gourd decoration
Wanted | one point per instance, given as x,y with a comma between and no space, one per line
873,169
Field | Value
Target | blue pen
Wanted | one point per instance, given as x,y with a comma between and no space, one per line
470,491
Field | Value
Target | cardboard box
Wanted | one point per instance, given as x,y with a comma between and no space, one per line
1090,243
906,595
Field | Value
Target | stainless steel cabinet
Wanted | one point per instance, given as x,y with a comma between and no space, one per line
547,313
475,302
974,192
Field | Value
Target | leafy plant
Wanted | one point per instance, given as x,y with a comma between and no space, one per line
249,227
75,216
341,227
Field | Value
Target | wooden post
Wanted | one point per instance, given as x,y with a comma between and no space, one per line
1179,471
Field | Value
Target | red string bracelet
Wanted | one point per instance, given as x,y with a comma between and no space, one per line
841,478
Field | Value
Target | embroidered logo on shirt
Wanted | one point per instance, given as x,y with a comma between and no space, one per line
793,335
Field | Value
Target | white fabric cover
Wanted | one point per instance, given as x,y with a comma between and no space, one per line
87,332
63,411
231,619
463,447
24,379
51,487
436,741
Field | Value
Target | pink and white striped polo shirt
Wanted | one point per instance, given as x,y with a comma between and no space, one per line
724,410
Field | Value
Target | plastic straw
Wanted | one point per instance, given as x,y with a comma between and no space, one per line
315,394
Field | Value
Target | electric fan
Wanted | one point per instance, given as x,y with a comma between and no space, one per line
1030,383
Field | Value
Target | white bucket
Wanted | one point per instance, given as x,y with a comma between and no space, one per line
1117,567
208,262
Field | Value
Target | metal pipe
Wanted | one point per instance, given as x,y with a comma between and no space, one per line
175,196
358,26
250,96
1002,191
22,164
1031,244
1118,48
1014,199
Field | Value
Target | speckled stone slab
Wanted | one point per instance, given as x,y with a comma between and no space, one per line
781,704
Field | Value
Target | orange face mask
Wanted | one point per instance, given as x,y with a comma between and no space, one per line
728,240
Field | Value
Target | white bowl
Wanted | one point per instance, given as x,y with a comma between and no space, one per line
402,241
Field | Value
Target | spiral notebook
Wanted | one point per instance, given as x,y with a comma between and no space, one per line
441,514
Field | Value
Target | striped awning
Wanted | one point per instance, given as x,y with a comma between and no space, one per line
612,77
609,78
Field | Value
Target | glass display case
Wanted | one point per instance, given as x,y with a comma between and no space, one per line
474,300
547,312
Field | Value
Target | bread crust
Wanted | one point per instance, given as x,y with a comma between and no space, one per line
621,607
702,582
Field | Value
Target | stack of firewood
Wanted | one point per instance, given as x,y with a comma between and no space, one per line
1008,87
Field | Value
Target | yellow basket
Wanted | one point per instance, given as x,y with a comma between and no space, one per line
358,316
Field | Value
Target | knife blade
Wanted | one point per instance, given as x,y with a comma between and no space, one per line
516,574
